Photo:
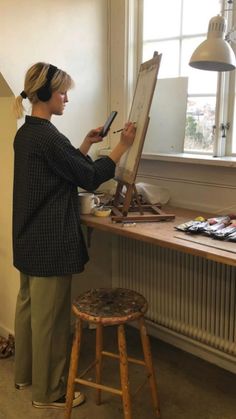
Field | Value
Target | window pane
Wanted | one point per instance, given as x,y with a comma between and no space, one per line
176,37
158,22
196,15
199,124
170,57
200,82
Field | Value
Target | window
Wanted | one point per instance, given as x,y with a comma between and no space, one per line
175,28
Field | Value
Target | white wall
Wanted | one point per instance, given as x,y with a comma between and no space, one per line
8,275
195,186
71,34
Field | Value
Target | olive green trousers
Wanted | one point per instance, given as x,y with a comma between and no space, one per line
42,335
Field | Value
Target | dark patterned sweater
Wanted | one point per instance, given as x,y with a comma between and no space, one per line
47,236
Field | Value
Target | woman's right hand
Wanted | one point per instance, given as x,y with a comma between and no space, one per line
128,134
126,140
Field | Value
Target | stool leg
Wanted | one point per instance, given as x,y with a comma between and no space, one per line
124,372
99,345
149,365
73,368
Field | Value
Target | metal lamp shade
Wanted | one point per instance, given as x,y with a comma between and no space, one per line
214,54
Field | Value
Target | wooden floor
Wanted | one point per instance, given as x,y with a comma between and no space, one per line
189,388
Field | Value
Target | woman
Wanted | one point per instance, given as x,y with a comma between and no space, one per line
48,245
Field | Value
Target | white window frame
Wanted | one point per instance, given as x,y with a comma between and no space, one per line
125,55
231,16
225,99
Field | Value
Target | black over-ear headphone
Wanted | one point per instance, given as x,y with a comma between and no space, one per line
45,92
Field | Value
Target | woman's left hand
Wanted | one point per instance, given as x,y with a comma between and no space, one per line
92,137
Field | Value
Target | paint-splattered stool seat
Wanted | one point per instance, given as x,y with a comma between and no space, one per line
104,307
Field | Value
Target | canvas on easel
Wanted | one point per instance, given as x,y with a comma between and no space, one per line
126,171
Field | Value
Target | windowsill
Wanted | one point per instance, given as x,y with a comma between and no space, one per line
202,159
226,161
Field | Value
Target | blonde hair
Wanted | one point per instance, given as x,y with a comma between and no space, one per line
35,78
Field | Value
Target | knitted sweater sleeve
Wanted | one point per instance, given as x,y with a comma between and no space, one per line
70,164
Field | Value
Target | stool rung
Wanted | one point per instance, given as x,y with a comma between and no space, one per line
99,386
133,360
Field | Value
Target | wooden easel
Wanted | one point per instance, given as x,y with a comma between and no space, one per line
132,209
127,203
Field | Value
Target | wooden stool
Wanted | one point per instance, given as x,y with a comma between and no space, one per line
110,306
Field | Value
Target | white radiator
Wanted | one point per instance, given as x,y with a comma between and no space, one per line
189,297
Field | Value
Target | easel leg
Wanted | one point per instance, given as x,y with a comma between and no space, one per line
137,199
147,212
118,194
127,201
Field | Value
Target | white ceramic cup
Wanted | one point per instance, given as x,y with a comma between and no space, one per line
87,202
